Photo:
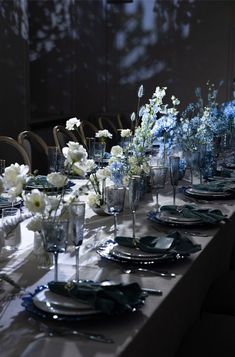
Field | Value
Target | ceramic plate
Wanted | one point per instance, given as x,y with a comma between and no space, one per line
6,203
127,253
160,218
207,194
58,304
106,251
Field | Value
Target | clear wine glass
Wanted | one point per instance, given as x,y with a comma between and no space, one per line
114,199
77,219
55,235
158,180
174,173
134,197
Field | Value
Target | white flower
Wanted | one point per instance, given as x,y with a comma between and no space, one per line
90,165
74,152
16,190
103,134
102,174
57,179
1,185
73,123
116,151
175,101
52,203
15,174
35,201
35,224
94,200
126,133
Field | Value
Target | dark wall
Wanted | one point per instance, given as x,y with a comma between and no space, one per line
14,67
91,56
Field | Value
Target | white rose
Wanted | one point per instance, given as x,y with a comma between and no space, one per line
73,123
35,224
102,174
103,134
94,200
57,179
15,173
126,133
52,203
35,201
16,190
116,151
74,152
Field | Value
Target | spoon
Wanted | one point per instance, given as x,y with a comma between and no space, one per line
157,273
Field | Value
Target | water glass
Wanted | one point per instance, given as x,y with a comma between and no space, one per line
2,166
11,218
115,198
55,235
77,219
174,173
55,159
99,151
158,180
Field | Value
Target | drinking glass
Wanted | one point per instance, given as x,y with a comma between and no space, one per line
77,219
55,235
134,197
193,162
158,180
2,166
11,218
114,198
55,159
174,173
99,151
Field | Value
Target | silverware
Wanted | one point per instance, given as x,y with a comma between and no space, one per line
157,273
64,331
152,291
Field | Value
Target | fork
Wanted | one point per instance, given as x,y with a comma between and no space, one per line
164,274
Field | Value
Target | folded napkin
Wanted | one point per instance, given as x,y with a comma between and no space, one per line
179,244
216,186
206,215
109,299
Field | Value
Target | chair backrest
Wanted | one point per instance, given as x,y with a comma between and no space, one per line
62,136
36,149
87,130
12,152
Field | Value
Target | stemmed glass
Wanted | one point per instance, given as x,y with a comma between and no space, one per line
134,197
114,198
158,180
55,235
77,218
174,173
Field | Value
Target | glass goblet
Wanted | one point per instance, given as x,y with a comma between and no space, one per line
134,197
77,219
174,173
114,199
158,180
55,234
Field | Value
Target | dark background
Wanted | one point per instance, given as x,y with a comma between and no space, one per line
60,59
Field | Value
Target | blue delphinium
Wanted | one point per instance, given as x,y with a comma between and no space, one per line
116,169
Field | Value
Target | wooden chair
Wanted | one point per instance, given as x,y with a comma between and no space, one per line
87,131
36,149
62,136
12,152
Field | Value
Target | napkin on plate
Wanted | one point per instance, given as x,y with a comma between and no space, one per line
216,186
110,299
206,215
175,243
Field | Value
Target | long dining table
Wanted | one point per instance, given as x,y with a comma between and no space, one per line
156,329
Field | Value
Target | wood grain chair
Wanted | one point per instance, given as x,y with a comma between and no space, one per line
62,136
12,152
36,149
87,132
